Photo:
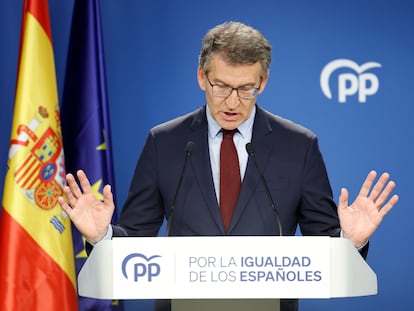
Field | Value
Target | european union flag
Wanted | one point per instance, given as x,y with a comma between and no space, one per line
85,118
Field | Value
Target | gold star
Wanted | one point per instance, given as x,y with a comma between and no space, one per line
103,145
95,188
82,253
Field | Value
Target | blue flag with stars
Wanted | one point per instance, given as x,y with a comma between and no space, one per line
85,120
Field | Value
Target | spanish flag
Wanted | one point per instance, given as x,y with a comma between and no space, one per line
36,254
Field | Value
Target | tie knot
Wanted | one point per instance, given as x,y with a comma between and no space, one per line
228,134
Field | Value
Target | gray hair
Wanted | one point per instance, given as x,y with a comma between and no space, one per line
237,43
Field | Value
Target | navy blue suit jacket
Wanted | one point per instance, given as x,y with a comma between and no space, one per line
287,153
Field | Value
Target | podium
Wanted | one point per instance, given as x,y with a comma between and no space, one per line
225,273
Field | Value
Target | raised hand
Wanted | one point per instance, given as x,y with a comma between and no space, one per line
90,215
360,219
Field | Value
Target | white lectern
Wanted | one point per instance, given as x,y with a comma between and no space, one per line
225,273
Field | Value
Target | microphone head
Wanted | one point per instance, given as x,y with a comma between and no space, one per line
250,148
189,147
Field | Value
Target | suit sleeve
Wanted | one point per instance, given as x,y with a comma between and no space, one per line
142,213
318,211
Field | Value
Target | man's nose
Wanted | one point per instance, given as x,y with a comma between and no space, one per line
233,99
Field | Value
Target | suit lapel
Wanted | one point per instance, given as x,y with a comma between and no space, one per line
200,162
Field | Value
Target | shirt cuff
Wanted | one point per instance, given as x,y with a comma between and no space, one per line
358,248
108,236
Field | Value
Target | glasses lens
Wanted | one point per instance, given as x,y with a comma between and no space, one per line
221,90
247,92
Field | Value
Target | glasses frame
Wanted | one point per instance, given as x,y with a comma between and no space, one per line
231,89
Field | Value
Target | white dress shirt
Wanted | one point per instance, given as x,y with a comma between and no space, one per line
241,138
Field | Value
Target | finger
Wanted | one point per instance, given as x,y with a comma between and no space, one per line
84,182
69,196
366,186
343,199
65,206
380,184
74,189
390,204
385,194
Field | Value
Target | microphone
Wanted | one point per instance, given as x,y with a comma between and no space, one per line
188,150
250,150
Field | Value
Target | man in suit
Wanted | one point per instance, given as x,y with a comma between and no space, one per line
233,71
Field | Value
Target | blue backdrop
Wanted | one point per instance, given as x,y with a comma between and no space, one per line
151,49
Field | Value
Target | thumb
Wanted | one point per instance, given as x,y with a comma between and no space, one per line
108,196
343,199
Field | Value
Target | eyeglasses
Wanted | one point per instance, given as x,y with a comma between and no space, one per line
224,90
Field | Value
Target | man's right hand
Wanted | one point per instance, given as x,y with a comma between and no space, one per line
90,215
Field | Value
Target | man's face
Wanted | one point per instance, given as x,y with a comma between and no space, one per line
231,111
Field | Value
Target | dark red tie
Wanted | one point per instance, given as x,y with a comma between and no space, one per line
229,177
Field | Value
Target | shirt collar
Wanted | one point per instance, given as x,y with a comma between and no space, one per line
244,129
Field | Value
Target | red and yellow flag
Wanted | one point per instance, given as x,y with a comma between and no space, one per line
36,253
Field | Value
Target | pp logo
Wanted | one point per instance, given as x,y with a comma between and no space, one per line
361,82
142,267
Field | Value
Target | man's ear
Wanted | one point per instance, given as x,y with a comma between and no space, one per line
201,78
263,84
